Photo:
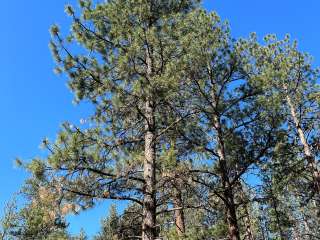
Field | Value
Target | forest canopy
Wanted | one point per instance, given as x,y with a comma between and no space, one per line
203,135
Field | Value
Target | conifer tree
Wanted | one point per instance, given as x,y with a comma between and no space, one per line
236,134
129,71
10,220
110,226
287,75
207,137
38,219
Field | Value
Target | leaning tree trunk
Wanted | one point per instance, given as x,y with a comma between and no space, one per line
306,148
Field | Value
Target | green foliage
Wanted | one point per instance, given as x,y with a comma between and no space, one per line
121,227
110,226
221,112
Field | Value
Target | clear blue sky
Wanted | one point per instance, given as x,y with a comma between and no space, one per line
34,102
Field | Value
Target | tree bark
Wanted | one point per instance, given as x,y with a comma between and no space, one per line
249,232
149,201
179,214
149,165
306,148
231,213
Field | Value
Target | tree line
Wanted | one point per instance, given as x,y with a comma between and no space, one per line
203,135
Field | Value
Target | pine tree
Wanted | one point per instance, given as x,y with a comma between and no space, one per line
129,71
110,226
237,134
9,221
286,74
206,136
37,219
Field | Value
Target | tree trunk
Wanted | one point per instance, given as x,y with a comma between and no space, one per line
179,214
149,201
231,213
247,218
306,148
249,232
149,166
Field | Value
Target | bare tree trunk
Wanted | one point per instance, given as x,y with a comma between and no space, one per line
179,214
149,166
306,148
149,201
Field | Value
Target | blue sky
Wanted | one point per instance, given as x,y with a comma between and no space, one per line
34,101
